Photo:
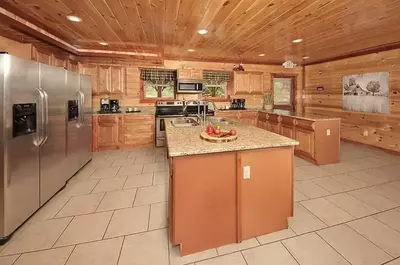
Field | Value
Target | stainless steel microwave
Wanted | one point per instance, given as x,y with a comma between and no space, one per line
194,86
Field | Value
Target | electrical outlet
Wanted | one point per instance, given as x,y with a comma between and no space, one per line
328,132
246,172
365,133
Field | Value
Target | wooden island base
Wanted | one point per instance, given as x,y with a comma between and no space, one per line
211,205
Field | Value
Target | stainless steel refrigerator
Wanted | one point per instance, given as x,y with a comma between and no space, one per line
34,158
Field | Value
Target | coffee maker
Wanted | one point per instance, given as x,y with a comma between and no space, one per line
238,103
104,105
114,105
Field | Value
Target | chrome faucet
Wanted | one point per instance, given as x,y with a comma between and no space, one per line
198,115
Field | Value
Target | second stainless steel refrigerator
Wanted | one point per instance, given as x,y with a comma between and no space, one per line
34,158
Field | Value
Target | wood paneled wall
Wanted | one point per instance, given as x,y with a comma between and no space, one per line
132,97
383,130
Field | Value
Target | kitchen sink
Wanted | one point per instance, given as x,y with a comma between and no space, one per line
184,122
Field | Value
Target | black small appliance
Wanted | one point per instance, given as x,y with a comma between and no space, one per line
114,105
24,119
238,104
104,105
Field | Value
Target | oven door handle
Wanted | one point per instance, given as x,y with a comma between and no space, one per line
162,125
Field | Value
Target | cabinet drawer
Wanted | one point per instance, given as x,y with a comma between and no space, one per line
107,119
306,124
139,118
290,121
262,116
274,118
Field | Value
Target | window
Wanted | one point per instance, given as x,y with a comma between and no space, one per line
216,84
283,90
158,84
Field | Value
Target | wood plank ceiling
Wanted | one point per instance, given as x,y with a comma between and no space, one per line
239,30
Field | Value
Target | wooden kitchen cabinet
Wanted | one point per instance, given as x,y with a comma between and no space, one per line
59,61
122,131
248,82
107,132
288,126
92,70
190,74
230,114
104,79
306,140
249,117
73,66
118,83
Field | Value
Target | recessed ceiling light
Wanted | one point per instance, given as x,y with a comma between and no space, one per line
103,43
190,50
202,31
261,54
297,40
74,18
306,57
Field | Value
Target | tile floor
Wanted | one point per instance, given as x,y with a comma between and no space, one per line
114,211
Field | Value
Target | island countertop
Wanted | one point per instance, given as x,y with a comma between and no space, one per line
183,141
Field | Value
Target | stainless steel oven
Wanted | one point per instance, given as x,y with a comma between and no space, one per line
164,110
192,86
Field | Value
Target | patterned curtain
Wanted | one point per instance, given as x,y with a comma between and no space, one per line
157,75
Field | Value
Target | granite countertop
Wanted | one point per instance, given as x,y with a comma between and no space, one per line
186,141
300,115
143,111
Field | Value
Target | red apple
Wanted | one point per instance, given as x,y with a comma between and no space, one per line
232,132
210,129
217,131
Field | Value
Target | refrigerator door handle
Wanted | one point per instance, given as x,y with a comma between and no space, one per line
79,120
46,116
82,107
39,137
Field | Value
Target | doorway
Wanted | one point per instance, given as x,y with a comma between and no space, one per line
284,91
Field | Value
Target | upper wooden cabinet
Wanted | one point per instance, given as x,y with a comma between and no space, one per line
106,79
248,82
190,74
73,66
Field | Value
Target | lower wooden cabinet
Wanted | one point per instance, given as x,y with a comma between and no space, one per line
122,131
306,139
249,117
288,131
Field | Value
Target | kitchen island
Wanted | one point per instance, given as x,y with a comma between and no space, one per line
223,193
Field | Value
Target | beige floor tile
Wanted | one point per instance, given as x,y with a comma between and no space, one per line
245,244
111,184
351,182
145,249
387,191
119,162
160,178
104,252
175,257
358,164
273,254
311,249
51,208
276,236
354,247
395,185
298,162
150,195
390,218
128,221
83,174
158,216
351,205
37,236
130,170
394,262
137,153
105,173
8,260
154,167
338,168
378,233
367,177
56,256
298,196
85,228
300,174
373,199
137,181
315,171
327,211
141,160
118,154
99,163
231,259
304,221
331,185
83,204
310,189
161,158
117,200
79,188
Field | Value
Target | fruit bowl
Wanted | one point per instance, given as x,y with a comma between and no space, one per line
221,137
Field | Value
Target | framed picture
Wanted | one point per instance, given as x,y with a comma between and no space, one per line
366,92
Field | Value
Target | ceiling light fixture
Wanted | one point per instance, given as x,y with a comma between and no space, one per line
103,43
261,54
74,18
202,31
190,50
306,57
297,40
